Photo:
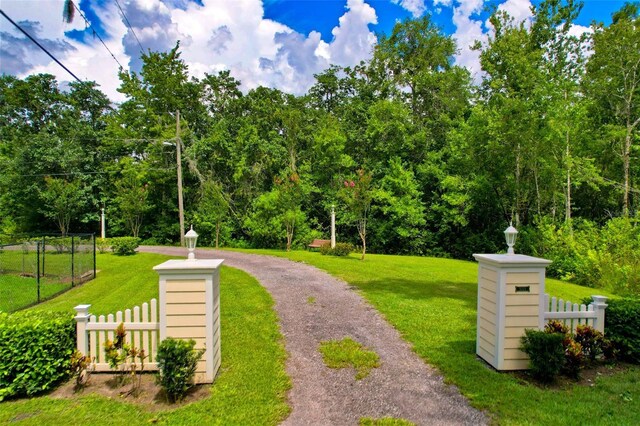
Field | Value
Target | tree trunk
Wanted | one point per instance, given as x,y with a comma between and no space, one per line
217,232
626,160
567,213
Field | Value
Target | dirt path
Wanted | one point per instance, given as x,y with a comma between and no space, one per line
402,387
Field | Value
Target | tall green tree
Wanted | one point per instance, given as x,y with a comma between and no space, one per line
613,81
357,194
61,201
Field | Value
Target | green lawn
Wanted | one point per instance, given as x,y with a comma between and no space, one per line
18,287
251,385
432,302
17,292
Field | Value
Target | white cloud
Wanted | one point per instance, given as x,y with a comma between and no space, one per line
416,7
578,30
88,61
352,39
519,10
468,31
214,35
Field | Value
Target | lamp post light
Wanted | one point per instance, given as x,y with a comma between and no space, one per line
333,226
190,238
103,230
510,235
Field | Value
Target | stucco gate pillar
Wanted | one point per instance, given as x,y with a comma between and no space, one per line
510,299
190,308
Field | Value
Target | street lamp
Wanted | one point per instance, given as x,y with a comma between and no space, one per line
191,238
510,235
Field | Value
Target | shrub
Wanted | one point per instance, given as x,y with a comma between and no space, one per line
35,351
573,359
591,341
123,358
80,368
124,246
546,353
177,362
622,327
103,244
326,249
603,257
341,249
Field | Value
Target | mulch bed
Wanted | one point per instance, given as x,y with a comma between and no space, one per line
588,376
148,395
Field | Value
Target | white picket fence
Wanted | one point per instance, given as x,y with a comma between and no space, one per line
142,332
572,314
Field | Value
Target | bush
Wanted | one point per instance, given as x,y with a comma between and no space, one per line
177,362
591,341
103,244
341,249
35,351
546,353
602,257
326,249
622,327
573,359
124,246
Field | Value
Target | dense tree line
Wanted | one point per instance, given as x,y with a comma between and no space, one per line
550,135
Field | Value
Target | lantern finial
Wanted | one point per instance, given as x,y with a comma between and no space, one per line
190,238
510,235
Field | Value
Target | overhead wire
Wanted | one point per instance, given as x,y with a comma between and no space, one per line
39,45
95,33
129,25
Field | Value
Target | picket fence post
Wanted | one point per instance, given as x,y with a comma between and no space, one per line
599,304
82,318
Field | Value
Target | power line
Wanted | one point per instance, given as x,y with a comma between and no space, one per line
39,45
129,25
96,34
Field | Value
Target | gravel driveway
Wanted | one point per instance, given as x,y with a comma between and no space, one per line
402,387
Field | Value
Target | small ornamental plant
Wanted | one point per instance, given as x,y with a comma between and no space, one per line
124,359
103,244
177,362
80,369
591,341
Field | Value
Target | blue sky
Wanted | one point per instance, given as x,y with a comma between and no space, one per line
277,43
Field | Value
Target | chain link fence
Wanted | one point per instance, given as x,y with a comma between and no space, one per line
37,268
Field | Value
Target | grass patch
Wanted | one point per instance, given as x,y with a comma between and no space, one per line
250,387
385,421
311,300
349,353
122,282
18,285
432,302
17,292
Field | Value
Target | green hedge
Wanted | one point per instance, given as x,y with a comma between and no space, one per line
35,351
124,246
622,327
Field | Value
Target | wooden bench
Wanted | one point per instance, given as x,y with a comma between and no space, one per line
318,243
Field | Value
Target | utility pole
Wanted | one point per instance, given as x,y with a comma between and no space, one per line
179,162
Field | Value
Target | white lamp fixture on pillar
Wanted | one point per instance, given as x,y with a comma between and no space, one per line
190,238
510,235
